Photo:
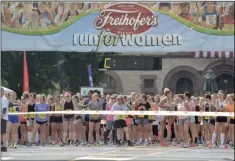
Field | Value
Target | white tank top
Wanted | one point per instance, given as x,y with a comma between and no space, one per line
222,104
181,107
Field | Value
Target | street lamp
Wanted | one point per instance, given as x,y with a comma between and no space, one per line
225,85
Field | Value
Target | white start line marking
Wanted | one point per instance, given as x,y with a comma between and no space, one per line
103,158
6,158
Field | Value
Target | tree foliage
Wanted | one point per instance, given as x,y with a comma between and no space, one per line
49,71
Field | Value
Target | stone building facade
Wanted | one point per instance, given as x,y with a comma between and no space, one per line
180,74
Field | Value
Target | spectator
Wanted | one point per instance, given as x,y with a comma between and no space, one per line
21,13
70,13
165,6
175,9
227,21
6,16
34,23
184,8
46,15
208,16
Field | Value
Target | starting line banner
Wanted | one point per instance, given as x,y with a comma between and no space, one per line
125,27
160,113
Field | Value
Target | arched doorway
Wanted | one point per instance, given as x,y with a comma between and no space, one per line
224,70
225,82
184,84
180,77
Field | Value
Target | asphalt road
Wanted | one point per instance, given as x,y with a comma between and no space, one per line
113,153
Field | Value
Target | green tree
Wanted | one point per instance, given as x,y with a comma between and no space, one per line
75,67
48,71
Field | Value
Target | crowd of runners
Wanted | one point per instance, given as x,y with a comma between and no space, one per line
100,130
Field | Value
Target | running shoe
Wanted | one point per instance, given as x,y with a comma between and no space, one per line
174,143
146,143
97,144
62,144
29,144
83,142
76,143
212,146
192,145
139,143
37,144
164,144
101,142
222,146
88,144
185,146
12,145
43,143
129,143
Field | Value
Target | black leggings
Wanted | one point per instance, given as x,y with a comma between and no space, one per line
114,134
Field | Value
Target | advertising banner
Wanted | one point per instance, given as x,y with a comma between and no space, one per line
118,27
85,90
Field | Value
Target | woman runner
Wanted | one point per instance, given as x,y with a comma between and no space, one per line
41,119
230,108
220,122
184,121
120,123
23,123
68,125
31,117
57,122
143,121
79,126
191,105
110,121
13,121
94,120
163,105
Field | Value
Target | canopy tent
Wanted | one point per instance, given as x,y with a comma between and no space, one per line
7,90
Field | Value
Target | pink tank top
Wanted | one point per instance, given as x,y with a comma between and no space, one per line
108,108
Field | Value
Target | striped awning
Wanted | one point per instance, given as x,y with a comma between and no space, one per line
213,54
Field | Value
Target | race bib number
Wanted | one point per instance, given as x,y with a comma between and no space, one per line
120,117
207,117
12,109
42,116
31,115
211,19
57,108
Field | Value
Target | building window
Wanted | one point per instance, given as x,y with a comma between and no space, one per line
148,83
108,82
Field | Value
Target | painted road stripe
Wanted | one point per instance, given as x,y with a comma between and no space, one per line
98,158
7,158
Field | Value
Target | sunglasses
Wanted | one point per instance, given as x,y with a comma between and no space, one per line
113,98
67,96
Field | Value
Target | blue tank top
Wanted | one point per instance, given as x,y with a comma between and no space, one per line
42,107
13,108
206,13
